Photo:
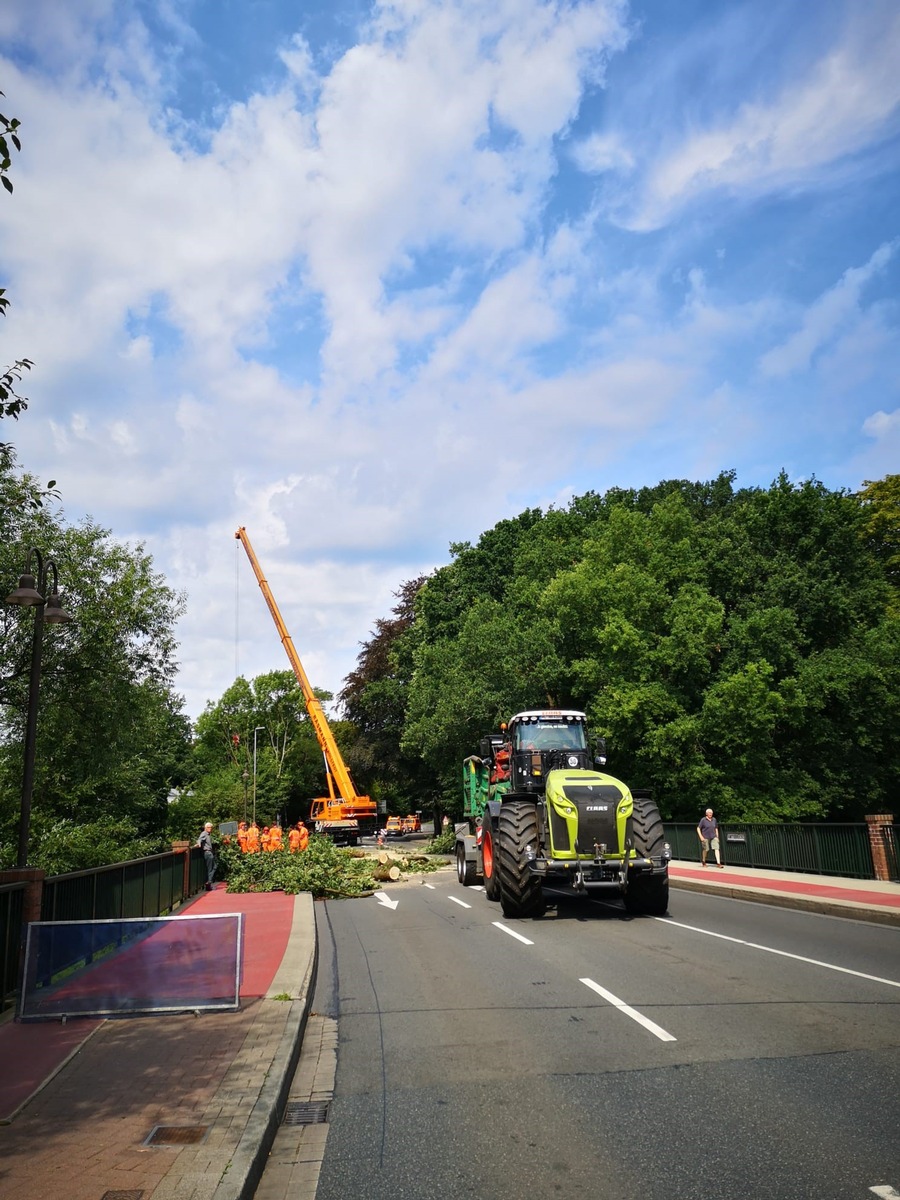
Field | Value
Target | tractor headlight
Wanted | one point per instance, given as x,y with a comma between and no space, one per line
667,851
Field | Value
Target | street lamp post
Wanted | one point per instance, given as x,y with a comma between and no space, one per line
245,776
31,594
255,732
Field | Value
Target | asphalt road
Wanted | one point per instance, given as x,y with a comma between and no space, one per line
728,1051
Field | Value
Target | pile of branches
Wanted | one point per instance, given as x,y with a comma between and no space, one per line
322,869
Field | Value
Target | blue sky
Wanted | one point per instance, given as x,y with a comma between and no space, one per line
367,278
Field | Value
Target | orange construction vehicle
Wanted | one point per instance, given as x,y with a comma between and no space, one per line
343,814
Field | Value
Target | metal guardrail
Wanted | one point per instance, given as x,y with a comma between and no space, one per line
143,887
12,896
891,850
817,849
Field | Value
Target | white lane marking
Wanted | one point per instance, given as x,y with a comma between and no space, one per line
431,886
655,1029
385,900
512,933
475,887
885,1191
461,903
783,954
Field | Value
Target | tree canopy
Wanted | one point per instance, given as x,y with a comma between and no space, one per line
737,647
112,737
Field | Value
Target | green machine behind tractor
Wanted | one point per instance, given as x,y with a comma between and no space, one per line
543,818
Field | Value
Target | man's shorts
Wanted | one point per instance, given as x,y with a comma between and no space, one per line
710,843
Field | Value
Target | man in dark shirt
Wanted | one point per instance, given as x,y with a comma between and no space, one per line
205,843
708,833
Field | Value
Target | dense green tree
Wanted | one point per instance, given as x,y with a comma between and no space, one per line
290,770
374,701
880,499
112,739
736,646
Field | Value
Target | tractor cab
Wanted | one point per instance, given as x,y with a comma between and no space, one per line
542,741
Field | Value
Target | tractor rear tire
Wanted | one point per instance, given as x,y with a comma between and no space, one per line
647,895
465,868
521,893
489,860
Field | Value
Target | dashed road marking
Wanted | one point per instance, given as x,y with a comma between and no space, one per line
461,903
656,1030
885,1191
512,933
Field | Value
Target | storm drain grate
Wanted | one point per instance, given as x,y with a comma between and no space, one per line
176,1135
305,1112
123,1195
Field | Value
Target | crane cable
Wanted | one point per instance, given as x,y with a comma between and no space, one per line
237,611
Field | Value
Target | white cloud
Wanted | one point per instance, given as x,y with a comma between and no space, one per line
882,425
350,315
601,152
833,310
845,104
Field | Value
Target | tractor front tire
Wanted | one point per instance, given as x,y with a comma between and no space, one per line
647,895
521,893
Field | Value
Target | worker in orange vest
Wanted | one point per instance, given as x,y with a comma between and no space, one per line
276,841
266,838
253,839
242,836
298,836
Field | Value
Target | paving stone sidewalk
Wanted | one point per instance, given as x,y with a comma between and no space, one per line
177,1107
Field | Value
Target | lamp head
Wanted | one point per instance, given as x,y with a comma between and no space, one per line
54,613
26,593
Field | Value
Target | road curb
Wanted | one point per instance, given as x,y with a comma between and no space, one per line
248,1161
831,908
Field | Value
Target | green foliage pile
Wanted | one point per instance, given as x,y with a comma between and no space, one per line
444,843
322,869
738,648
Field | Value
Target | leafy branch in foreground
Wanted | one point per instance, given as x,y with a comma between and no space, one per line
11,403
8,128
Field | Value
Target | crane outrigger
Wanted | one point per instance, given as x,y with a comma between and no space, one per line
343,814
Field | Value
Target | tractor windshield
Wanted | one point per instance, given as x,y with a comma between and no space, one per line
550,735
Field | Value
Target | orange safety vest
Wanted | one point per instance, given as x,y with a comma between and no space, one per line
275,838
242,838
253,840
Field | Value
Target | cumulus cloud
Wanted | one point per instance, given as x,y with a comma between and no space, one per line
349,310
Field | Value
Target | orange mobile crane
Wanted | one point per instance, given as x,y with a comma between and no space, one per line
343,814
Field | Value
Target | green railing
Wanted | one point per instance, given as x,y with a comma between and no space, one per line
817,849
143,887
12,896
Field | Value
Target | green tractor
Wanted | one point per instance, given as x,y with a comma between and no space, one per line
542,814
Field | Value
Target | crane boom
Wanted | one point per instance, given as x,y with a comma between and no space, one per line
351,804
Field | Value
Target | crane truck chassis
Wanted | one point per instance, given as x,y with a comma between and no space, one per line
540,815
